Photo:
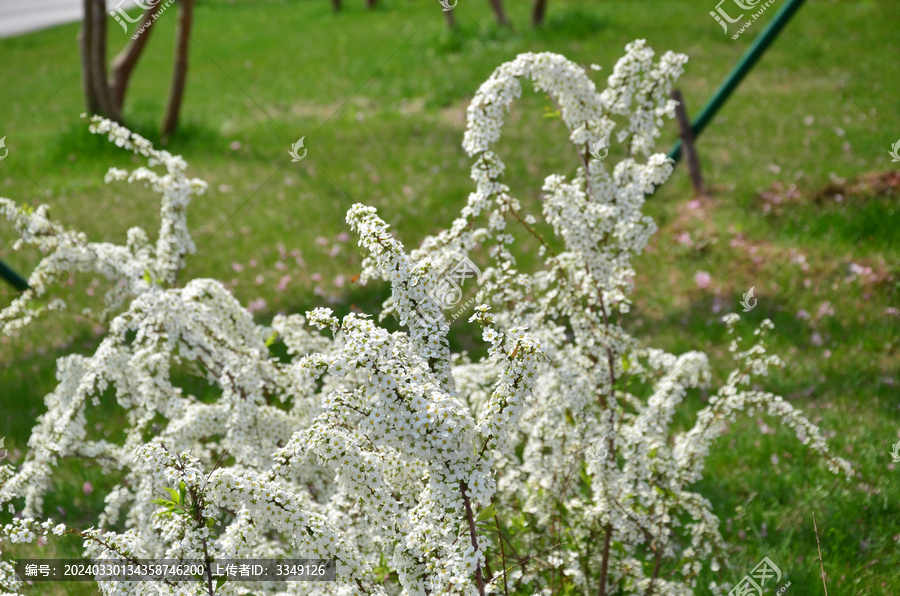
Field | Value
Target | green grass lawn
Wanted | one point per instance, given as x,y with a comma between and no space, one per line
380,97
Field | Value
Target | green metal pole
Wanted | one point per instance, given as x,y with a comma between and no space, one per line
748,60
16,280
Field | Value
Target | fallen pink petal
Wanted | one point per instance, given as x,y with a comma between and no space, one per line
702,279
257,305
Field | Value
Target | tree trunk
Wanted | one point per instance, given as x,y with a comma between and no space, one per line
537,17
97,61
85,42
497,6
371,3
337,5
182,40
123,64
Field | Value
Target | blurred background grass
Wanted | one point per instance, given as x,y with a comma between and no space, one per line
380,96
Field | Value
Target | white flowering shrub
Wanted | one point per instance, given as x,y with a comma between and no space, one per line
547,461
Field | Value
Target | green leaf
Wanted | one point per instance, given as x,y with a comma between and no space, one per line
486,513
271,339
219,582
551,113
176,498
584,486
161,502
182,493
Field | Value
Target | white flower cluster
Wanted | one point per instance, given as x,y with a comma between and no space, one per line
132,269
421,471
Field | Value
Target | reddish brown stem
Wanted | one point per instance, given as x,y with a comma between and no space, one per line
472,535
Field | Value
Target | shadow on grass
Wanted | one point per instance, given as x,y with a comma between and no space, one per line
191,136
